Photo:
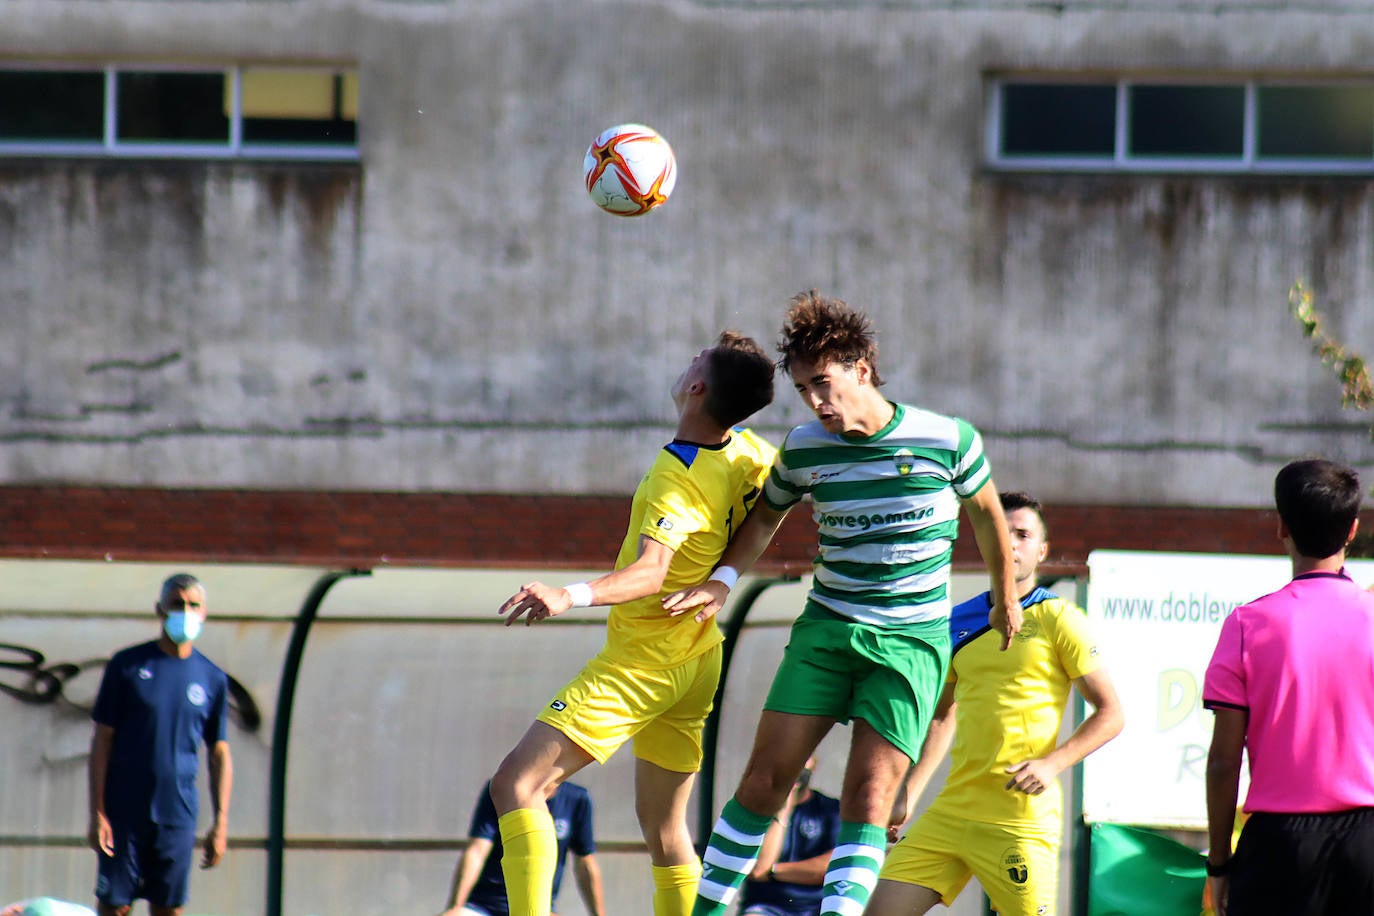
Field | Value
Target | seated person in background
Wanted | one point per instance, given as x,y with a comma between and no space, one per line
789,877
46,906
479,887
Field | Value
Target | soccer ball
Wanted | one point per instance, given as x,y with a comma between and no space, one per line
630,170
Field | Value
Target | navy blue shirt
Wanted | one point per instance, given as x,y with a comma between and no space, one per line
161,708
814,829
571,808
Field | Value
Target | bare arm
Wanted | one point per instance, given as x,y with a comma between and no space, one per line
994,544
939,737
803,871
1104,724
588,873
466,873
743,551
644,577
1223,790
221,767
100,834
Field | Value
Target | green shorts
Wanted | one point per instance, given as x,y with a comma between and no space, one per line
891,677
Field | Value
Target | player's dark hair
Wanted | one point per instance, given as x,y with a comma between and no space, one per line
178,583
1318,501
1016,499
822,330
741,379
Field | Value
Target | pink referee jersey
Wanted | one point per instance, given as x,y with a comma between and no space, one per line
1301,660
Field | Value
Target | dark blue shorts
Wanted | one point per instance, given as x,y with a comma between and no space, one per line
151,861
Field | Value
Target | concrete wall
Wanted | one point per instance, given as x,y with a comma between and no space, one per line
455,314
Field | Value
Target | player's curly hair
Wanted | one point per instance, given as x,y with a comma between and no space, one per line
820,330
741,379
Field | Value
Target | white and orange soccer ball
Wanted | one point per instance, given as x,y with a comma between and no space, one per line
630,170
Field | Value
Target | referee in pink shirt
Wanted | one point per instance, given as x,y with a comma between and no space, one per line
1292,683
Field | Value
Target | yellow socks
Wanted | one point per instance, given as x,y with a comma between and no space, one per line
675,888
531,853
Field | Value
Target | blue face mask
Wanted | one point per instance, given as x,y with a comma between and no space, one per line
182,627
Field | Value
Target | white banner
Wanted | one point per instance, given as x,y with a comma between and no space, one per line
1157,616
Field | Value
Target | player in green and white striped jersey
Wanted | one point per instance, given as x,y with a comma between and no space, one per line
887,509
872,644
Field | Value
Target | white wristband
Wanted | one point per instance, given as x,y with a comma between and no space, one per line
580,593
726,575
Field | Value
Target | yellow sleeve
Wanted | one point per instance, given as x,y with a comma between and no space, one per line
1074,641
672,508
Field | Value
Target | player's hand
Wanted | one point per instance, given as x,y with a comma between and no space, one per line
535,601
1219,886
1031,776
216,841
1006,618
900,814
709,596
101,835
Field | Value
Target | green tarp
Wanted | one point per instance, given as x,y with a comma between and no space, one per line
1137,872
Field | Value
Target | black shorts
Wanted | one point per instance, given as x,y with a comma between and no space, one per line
1304,865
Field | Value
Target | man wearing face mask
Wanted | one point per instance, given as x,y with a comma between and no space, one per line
158,700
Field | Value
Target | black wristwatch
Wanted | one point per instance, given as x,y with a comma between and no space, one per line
1216,871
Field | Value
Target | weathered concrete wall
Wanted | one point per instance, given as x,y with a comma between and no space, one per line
455,314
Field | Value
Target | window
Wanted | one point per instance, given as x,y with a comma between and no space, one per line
237,112
72,109
1164,126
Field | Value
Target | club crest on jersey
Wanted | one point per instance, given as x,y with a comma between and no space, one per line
144,674
196,695
904,460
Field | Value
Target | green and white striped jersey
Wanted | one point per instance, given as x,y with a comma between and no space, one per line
887,510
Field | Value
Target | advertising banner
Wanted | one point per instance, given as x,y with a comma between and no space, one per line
1157,616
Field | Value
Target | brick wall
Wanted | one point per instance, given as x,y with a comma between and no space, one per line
449,529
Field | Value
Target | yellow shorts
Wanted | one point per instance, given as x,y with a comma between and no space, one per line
663,710
1017,866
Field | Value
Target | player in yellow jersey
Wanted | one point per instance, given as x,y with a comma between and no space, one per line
655,679
998,815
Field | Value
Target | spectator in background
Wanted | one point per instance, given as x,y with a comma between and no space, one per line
157,702
789,877
46,906
479,887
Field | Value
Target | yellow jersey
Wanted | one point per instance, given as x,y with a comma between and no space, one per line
1010,705
692,500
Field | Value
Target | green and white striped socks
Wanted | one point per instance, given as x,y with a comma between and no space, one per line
733,850
853,870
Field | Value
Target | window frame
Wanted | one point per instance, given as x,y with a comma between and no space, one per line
234,146
1250,162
